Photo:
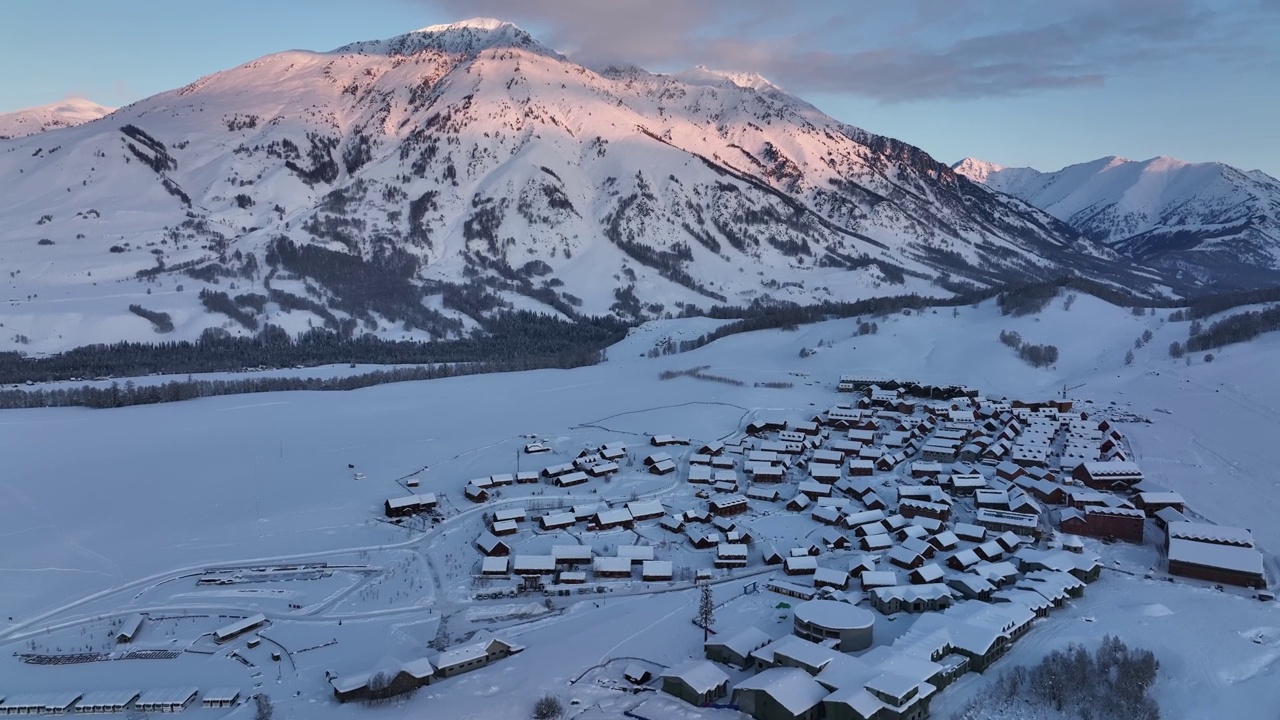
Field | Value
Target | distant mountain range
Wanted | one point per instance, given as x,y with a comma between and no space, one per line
67,113
1210,221
418,187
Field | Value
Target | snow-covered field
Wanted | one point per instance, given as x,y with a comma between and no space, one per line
107,513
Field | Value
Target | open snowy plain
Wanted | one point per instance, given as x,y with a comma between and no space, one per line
104,514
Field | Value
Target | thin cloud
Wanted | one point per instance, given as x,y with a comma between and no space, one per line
900,52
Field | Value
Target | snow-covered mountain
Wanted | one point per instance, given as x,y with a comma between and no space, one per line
408,187
67,113
1209,220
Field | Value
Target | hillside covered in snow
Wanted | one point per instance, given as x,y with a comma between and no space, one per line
65,113
414,187
1208,221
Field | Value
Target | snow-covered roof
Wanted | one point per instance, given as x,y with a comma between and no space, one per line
168,696
130,626
559,519
879,578
702,676
1208,554
830,576
571,552
728,501
995,570
533,563
834,615
635,672
791,688
102,699
878,541
826,513
613,517
801,562
930,572
488,541
1170,515
1115,512
420,500
1112,469
611,565
745,641
910,593
661,568
946,539
1023,596
635,552
508,514
491,565
892,684
1211,533
420,669
1004,517
239,626
38,702
461,655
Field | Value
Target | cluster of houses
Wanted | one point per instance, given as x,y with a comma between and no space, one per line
568,564
391,677
963,543
159,700
807,675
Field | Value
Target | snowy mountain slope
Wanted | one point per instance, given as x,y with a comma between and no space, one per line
405,187
1208,220
66,113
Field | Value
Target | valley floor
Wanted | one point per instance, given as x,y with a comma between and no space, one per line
108,513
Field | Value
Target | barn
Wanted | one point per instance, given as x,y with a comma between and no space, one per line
646,509
1153,502
916,508
1216,553
238,628
1121,523
409,505
608,519
1108,475
655,570
728,505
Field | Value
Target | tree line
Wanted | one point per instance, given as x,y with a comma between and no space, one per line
514,338
1112,683
128,394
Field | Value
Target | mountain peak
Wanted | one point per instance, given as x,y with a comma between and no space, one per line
465,37
975,169
744,80
65,113
476,23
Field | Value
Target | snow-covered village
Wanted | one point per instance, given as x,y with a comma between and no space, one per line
799,543
608,359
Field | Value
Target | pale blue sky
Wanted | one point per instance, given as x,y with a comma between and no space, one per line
1044,84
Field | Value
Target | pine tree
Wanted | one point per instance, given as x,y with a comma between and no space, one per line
706,609
263,708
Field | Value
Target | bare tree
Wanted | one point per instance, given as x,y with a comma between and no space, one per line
548,707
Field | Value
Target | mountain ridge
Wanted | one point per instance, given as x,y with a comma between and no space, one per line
411,188
1208,220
